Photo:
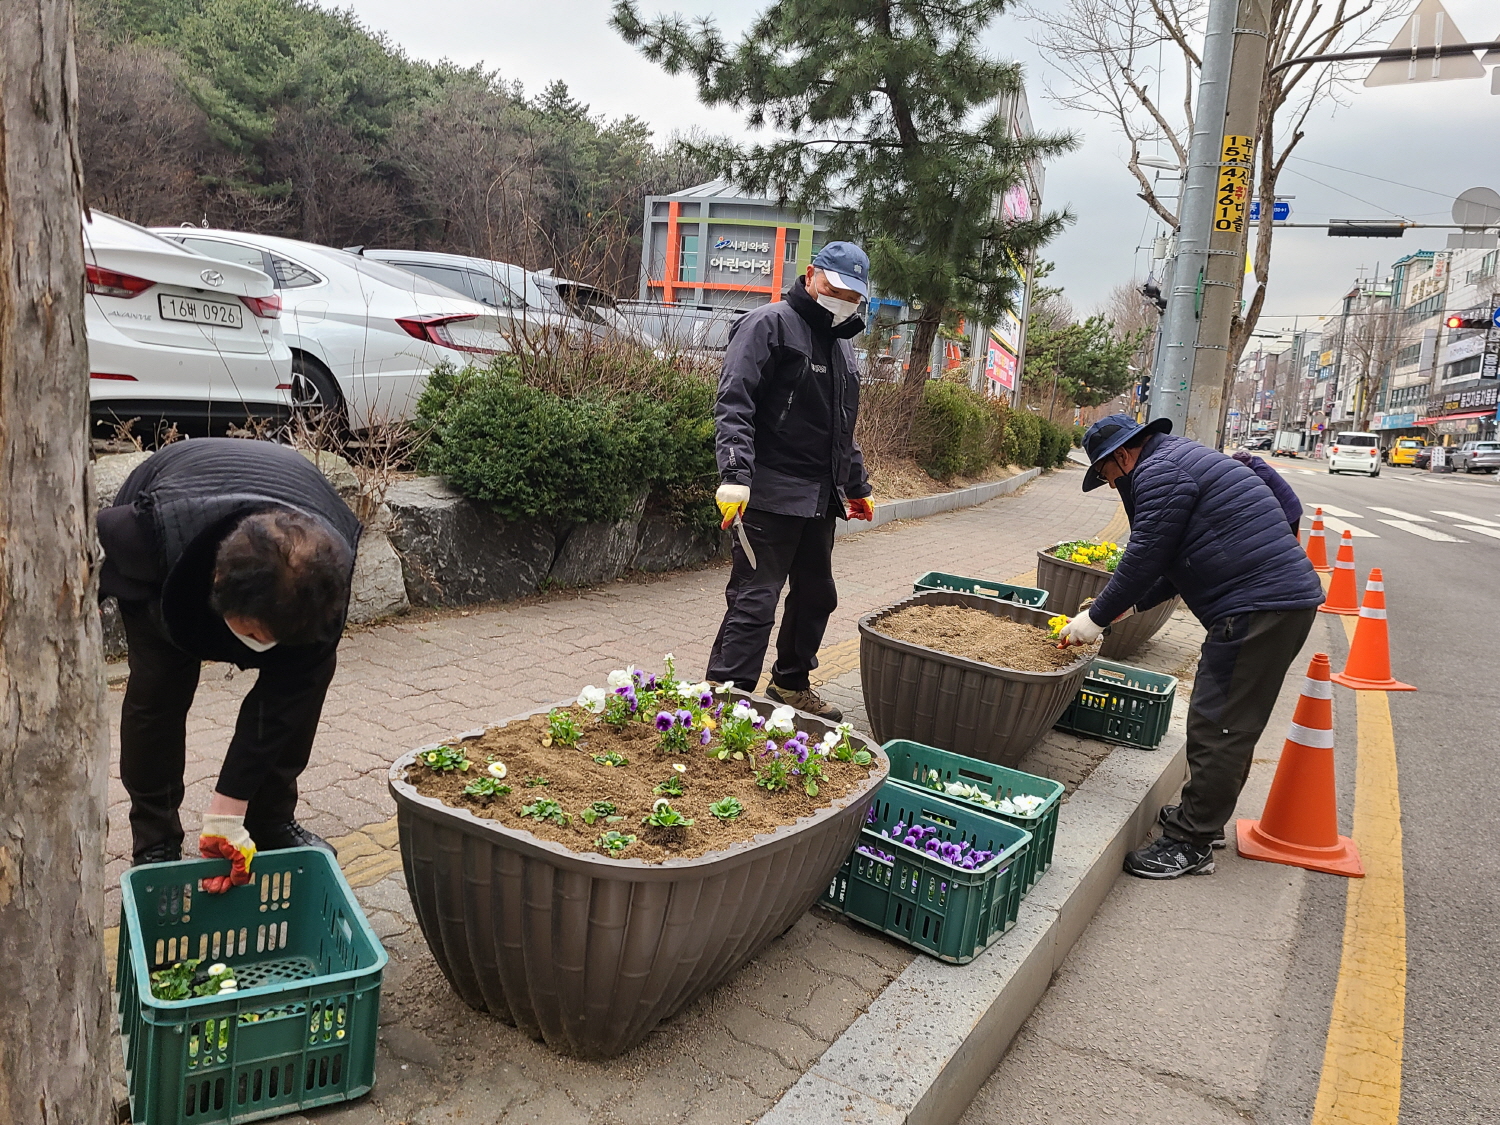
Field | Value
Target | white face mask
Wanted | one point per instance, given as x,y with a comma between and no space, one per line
842,310
251,643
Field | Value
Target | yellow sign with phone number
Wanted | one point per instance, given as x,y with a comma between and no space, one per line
1234,183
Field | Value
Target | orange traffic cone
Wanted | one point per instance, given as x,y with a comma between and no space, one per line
1369,665
1300,824
1343,597
1317,544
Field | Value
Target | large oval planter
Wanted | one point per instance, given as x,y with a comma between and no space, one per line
1069,583
590,953
957,704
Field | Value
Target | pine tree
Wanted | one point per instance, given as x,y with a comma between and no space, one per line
890,118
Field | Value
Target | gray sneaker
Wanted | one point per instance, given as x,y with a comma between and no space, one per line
809,701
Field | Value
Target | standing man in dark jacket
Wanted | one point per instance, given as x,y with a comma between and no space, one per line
788,462
237,551
1205,526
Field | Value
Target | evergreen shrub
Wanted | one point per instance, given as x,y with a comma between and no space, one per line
954,431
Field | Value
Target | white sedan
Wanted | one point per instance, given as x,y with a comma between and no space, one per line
175,337
363,334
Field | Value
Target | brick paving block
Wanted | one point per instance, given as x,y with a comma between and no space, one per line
834,1005
759,1069
790,1044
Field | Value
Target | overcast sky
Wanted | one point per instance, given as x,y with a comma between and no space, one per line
1392,151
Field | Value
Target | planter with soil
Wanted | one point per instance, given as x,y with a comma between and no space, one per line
967,674
587,871
1069,582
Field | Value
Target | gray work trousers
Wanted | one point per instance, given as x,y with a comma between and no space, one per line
1242,665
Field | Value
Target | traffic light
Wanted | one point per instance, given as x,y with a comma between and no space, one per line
1361,228
1467,322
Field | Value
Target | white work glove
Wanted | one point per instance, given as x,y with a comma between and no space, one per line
1080,630
732,500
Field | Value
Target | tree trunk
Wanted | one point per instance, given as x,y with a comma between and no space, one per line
924,335
54,992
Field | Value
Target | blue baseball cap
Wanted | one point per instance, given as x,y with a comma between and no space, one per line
847,266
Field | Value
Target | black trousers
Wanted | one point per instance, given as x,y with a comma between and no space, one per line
788,549
272,738
1243,663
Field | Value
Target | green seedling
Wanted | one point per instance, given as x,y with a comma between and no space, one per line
663,815
726,808
672,787
599,810
444,759
614,842
486,787
612,758
562,729
534,782
545,808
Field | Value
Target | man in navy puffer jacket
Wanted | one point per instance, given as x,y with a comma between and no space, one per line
1207,527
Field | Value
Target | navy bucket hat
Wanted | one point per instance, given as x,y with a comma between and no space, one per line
1109,434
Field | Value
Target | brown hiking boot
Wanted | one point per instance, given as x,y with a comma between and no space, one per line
809,701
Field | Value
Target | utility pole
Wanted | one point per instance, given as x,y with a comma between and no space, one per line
1194,366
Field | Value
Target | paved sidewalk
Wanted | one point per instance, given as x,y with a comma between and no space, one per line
729,1056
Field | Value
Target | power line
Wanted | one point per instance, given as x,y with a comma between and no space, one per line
1367,175
1350,194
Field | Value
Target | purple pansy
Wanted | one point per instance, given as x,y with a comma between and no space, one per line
664,721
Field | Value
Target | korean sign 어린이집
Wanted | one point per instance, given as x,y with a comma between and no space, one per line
732,264
1234,183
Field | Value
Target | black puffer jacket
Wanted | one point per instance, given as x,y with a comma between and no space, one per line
162,534
788,400
1204,526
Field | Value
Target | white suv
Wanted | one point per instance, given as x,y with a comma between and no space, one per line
1355,452
177,337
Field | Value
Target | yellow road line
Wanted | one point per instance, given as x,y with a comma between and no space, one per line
1361,1079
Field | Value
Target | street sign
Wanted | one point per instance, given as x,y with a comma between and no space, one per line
1479,207
1495,318
1429,26
1281,211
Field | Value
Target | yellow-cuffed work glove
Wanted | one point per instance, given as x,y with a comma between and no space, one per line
224,837
732,500
862,508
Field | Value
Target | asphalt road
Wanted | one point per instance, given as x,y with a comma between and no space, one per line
1444,610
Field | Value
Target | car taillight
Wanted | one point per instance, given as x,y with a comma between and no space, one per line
116,378
112,283
267,307
434,330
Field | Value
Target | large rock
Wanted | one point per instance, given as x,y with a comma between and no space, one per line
665,543
456,551
590,553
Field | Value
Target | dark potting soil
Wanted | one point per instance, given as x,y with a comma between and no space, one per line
977,635
575,780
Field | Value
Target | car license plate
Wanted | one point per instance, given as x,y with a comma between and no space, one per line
221,313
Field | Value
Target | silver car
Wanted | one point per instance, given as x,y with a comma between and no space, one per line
1476,457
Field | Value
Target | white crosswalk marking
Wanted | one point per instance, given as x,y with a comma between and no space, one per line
1465,517
1492,532
1348,515
1399,514
1340,526
1424,532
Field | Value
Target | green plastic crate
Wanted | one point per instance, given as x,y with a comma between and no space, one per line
1119,703
912,763
942,910
299,1033
1005,591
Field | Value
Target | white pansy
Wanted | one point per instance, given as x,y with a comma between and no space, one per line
592,698
742,711
831,740
783,719
703,687
621,677
229,986
217,969
725,688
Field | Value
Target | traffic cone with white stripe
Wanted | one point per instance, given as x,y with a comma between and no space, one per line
1369,665
1317,544
1343,595
1300,824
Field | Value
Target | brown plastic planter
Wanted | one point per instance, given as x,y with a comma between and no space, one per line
1069,583
591,953
957,704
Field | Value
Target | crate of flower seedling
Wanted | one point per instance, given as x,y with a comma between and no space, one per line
256,1002
1118,703
1022,799
1005,591
934,873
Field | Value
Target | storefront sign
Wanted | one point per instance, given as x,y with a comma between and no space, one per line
1015,204
1009,331
1463,349
735,265
1394,421
1476,399
1000,366
747,245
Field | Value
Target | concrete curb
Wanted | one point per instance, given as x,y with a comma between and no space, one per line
925,1046
921,506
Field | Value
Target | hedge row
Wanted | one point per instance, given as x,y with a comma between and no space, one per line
959,431
528,440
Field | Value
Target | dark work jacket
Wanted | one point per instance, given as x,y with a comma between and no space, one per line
1290,504
162,535
788,400
1207,527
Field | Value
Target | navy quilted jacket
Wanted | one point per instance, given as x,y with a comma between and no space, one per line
1207,527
